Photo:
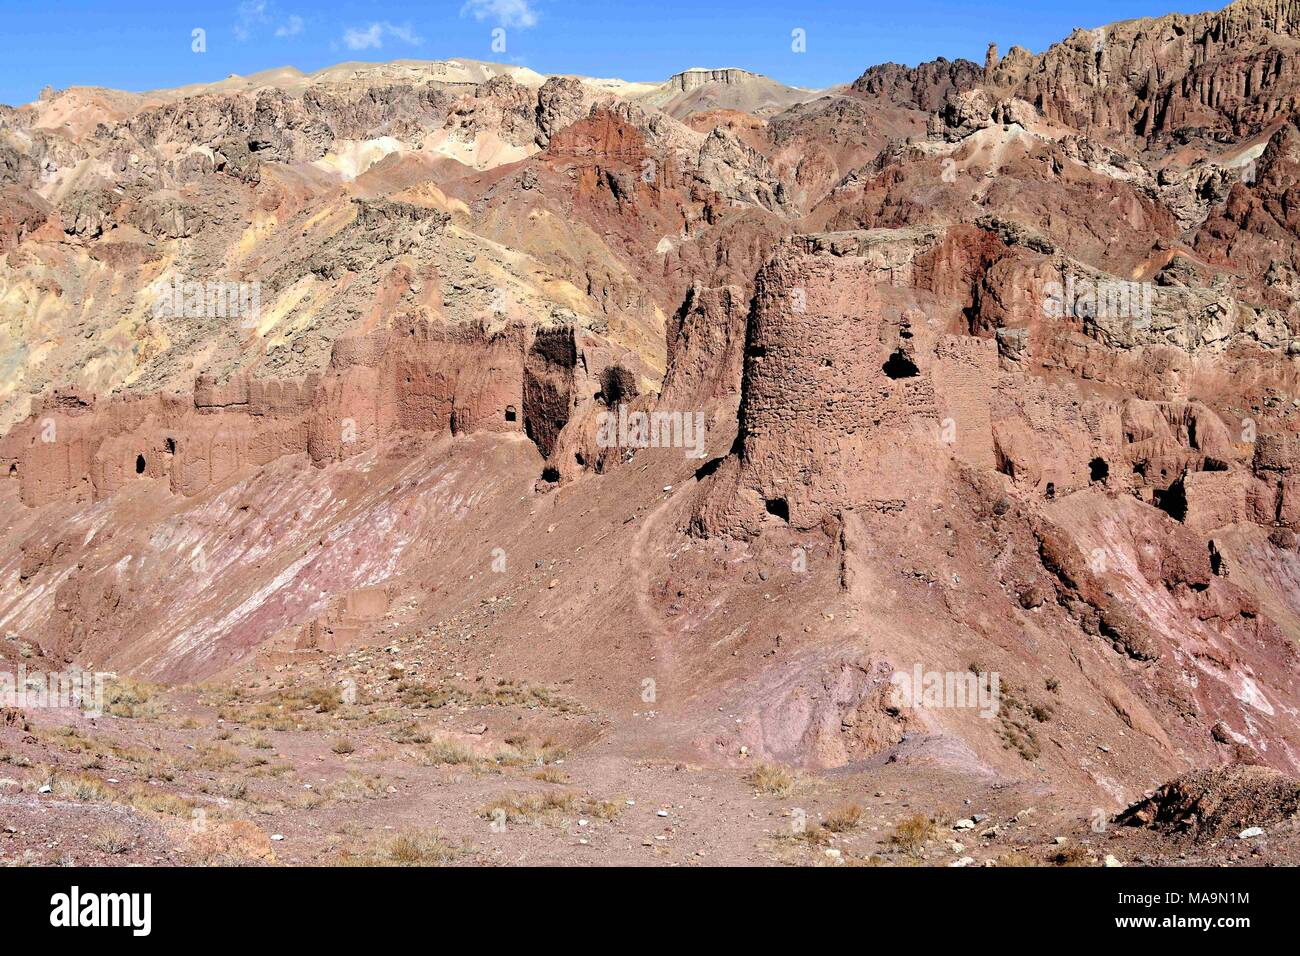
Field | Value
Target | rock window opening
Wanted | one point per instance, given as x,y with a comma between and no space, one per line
779,507
899,365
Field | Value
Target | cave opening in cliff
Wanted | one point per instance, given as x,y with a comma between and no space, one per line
13,470
511,414
139,464
1172,500
779,507
1098,469
1051,490
898,365
170,445
550,473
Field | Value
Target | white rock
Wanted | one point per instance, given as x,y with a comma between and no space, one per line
964,825
1249,832
964,861
277,837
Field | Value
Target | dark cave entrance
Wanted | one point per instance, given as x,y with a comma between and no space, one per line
898,365
1172,501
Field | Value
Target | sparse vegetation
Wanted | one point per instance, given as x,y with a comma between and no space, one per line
126,697
843,819
1014,716
548,806
411,848
913,834
446,751
84,789
771,779
409,733
325,699
111,839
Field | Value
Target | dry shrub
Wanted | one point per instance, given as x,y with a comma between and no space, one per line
845,818
912,834
111,839
771,779
411,848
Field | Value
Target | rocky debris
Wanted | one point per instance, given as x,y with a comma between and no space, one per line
1209,804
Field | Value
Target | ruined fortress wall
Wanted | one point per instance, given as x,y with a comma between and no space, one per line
414,378
965,370
823,407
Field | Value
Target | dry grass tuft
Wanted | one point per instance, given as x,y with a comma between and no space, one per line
127,697
447,751
912,835
85,789
771,779
111,839
843,819
412,848
548,807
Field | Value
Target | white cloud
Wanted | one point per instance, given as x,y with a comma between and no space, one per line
291,27
508,13
253,16
248,16
372,36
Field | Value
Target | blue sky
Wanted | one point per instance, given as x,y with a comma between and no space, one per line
147,44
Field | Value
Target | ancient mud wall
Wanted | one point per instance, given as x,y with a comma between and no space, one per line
415,377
